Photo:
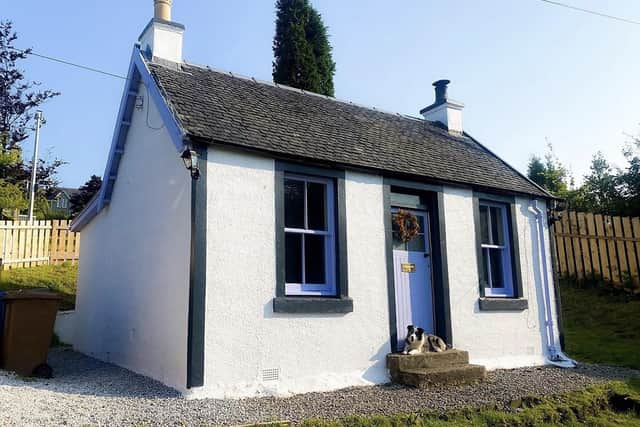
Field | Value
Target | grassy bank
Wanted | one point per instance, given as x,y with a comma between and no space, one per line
611,404
57,278
601,326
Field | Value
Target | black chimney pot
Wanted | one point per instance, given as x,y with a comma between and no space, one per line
441,91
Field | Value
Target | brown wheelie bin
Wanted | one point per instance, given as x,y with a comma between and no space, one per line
28,317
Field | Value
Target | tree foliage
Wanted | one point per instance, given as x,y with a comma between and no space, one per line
605,189
19,100
302,53
550,174
630,179
85,194
600,191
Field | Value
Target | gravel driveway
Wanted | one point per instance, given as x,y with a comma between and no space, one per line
88,392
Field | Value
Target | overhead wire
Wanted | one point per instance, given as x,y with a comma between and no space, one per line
592,12
107,73
69,63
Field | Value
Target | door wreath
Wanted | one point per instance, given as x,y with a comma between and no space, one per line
408,225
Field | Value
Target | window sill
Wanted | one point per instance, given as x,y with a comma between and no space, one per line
312,305
503,304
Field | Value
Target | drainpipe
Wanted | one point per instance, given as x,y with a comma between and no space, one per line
195,160
554,355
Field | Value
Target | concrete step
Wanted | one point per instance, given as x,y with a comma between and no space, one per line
451,357
422,378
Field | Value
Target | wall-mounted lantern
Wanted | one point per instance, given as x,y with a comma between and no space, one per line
190,159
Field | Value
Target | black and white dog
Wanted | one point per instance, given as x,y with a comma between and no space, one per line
418,342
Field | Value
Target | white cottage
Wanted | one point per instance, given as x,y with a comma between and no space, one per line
245,240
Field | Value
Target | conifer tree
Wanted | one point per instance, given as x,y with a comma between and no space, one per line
85,194
302,53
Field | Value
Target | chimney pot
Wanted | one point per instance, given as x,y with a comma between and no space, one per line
162,9
441,91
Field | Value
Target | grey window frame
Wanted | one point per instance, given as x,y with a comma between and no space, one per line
328,288
506,258
340,302
516,302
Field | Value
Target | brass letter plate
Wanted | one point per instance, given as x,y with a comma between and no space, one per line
408,268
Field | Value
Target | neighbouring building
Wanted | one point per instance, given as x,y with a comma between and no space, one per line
251,238
60,201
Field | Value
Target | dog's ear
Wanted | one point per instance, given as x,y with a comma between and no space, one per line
410,328
420,332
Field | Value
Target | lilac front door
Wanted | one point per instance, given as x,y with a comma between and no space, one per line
412,279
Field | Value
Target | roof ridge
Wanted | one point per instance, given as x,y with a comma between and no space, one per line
434,126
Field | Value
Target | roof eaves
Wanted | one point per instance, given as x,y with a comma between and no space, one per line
86,214
138,72
311,161
484,147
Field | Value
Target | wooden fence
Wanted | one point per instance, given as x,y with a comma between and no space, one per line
592,245
27,244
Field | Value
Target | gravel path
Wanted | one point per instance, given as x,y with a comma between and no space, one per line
88,392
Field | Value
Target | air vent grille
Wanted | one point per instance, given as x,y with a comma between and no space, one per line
271,374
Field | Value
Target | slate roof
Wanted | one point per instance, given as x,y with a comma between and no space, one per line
67,190
219,107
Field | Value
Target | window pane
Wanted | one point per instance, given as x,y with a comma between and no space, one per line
497,226
293,257
314,259
495,263
293,203
395,232
484,273
420,219
316,210
417,244
484,224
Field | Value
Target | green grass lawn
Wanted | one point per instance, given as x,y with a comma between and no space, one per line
601,326
57,278
611,404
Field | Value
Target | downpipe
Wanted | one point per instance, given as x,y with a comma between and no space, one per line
555,356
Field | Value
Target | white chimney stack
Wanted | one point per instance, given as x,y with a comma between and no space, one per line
444,110
162,38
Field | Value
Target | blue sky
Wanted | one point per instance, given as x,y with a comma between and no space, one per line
527,71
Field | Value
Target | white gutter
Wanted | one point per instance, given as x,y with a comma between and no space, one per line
555,356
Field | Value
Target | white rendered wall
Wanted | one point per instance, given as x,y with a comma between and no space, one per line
133,285
64,326
313,352
493,338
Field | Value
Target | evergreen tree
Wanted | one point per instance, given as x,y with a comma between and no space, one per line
600,189
302,53
18,102
550,174
85,194
630,178
536,171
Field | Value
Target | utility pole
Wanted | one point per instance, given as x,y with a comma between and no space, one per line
34,168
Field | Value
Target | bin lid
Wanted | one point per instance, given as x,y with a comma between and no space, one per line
29,294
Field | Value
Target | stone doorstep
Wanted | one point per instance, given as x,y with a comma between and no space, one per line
402,362
428,369
421,378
